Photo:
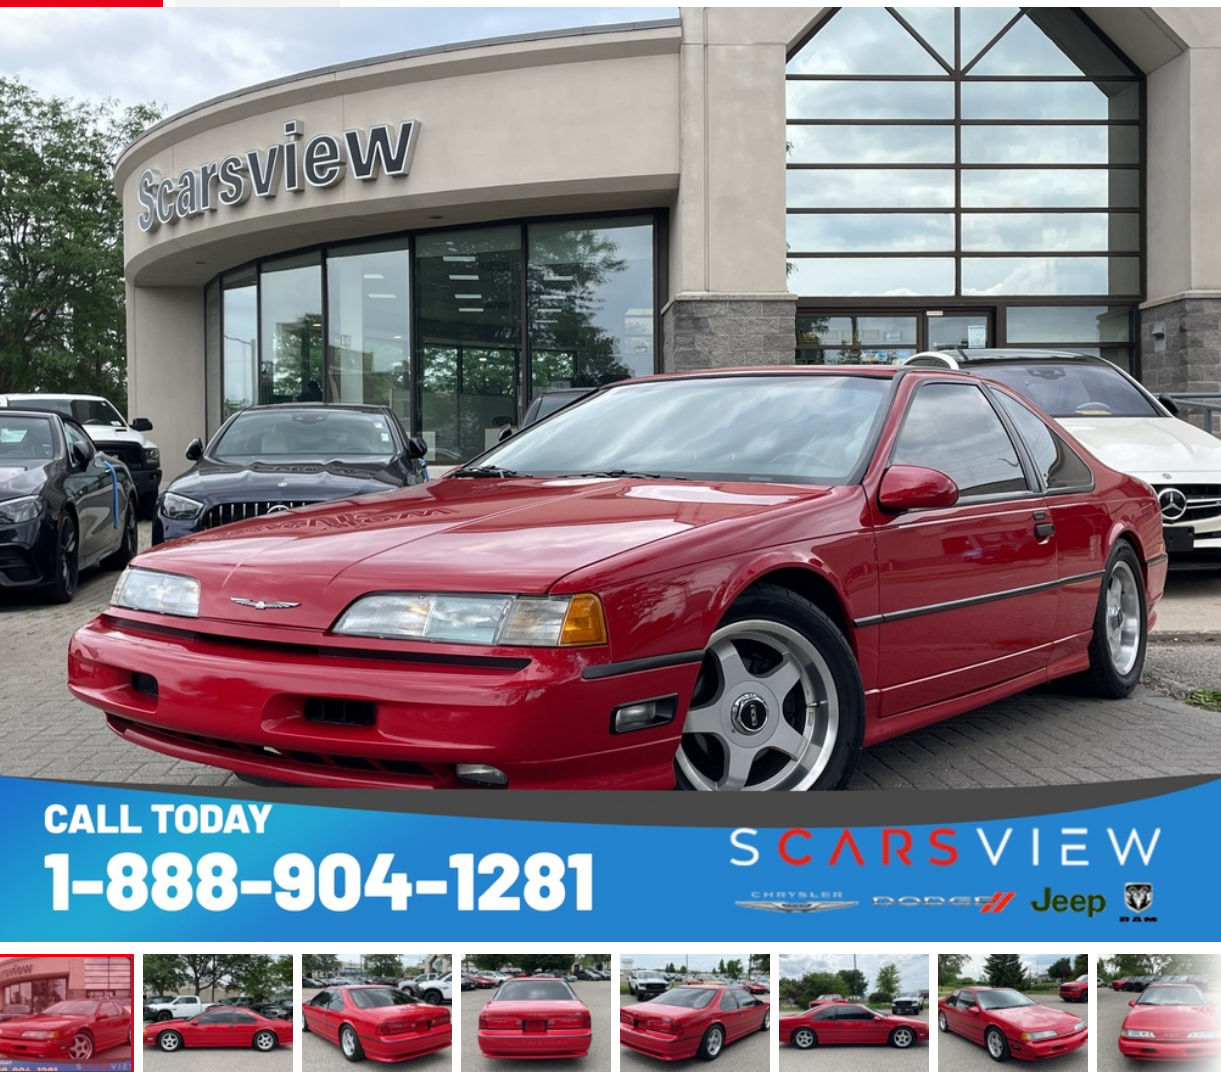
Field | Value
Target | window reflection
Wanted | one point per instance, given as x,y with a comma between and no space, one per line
240,343
1087,323
857,41
979,25
1051,275
869,232
872,276
1050,145
1038,188
870,100
1050,100
290,358
1077,231
870,144
871,188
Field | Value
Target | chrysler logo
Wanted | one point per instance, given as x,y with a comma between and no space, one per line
1173,503
749,713
796,906
262,604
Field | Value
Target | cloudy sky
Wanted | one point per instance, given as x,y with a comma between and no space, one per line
177,57
913,967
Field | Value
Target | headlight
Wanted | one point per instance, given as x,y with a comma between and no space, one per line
1202,1034
152,457
1131,1032
515,621
161,593
1034,1036
14,511
179,507
40,1034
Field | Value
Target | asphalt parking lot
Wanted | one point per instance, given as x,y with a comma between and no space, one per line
751,1053
597,996
956,1054
1047,736
318,1055
1112,1008
235,1060
917,1058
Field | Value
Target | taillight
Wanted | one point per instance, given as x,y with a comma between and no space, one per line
392,1027
569,1021
491,1022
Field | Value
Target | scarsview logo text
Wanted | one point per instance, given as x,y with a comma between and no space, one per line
293,167
1067,846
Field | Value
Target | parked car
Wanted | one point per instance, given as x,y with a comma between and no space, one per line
1010,1024
1118,984
378,1022
270,459
1076,989
692,1021
842,1022
756,987
826,999
1125,426
177,1008
534,1018
221,1026
63,505
908,1003
310,983
646,984
110,433
68,1030
436,990
778,523
1171,1022
1137,983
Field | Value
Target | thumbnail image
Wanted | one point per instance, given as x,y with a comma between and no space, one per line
675,1007
1026,1006
873,1008
537,1007
376,1006
241,1002
1158,1007
64,1010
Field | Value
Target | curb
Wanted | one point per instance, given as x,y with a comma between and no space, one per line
1185,637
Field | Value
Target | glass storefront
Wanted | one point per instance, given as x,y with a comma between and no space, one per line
455,331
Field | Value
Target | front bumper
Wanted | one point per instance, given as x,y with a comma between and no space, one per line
1052,1047
663,1047
27,552
1169,1049
518,1045
389,1048
36,1048
242,706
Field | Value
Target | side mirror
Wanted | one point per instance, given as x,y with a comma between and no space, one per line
974,1009
417,447
1170,404
142,424
505,432
194,450
78,452
913,487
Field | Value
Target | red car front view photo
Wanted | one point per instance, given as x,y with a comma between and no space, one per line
1008,1023
67,1031
1171,1022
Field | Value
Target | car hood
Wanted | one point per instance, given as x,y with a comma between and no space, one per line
1175,1018
1156,449
1036,1018
108,433
43,1022
212,481
18,479
520,536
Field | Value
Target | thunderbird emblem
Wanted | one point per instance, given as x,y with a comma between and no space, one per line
263,604
796,906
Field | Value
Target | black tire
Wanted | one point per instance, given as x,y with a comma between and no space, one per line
432,997
264,1041
767,1020
67,561
148,506
1121,628
996,1044
349,1043
771,734
942,1023
165,1014
169,1041
712,1043
804,1038
304,1023
902,1038
130,543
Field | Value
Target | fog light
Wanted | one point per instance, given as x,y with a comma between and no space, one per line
481,774
643,714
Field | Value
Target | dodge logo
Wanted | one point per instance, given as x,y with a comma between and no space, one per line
1173,503
1138,895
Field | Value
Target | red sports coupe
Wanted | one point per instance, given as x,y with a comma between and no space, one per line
533,1017
1009,1024
67,1030
220,1026
692,1021
1171,1022
720,580
378,1022
1076,989
844,1022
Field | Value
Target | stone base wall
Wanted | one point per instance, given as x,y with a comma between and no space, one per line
723,331
1190,359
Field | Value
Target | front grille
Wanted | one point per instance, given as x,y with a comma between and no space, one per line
131,454
1203,502
227,513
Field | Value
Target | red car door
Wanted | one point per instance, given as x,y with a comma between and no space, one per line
741,1014
329,1013
208,1029
828,1025
110,1028
967,593
244,1027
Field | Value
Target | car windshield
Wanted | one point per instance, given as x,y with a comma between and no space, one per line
72,1008
24,439
909,997
1172,995
1073,390
649,977
1002,999
686,997
535,990
304,435
378,997
770,428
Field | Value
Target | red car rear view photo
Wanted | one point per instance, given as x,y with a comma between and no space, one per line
714,581
220,1026
377,1022
692,1021
535,1017
1010,1024
1171,1022
845,1023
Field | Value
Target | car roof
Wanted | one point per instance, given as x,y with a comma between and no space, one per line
996,356
42,394
359,407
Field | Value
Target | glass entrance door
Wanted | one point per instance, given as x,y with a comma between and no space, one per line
965,330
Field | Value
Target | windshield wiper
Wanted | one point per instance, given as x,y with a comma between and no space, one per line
619,473
484,471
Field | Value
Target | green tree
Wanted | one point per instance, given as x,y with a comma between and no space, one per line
720,968
163,973
1061,970
62,318
388,965
733,968
549,962
258,975
1005,969
1081,965
888,980
319,964
760,964
949,967
854,981
200,970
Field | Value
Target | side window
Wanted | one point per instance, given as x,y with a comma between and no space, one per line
74,435
966,1000
242,1018
1060,467
729,1001
322,999
337,1000
953,428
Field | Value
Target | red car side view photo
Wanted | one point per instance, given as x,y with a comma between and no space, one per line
535,1017
846,1023
66,1031
381,1023
1008,1024
715,581
220,1026
692,1021
1171,1022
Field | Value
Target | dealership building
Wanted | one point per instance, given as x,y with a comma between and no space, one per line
451,231
39,981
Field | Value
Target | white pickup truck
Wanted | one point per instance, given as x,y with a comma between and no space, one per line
176,1008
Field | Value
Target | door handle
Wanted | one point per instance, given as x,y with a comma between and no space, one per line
1043,530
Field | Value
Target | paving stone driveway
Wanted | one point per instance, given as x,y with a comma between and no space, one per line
1044,737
